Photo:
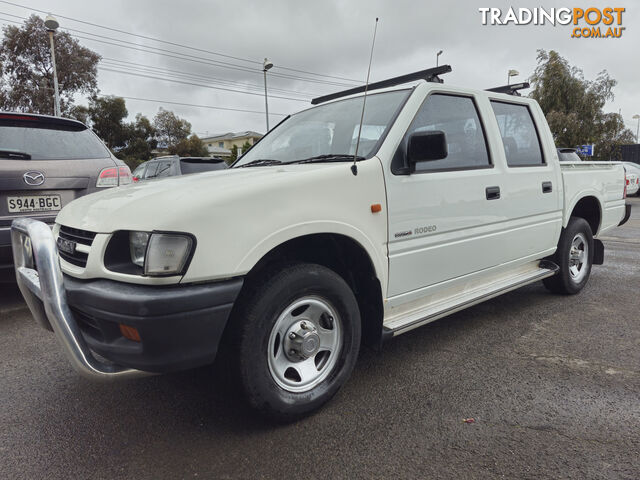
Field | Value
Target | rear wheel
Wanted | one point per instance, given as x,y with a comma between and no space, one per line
298,340
574,256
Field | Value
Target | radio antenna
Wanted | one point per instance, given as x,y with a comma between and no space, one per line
354,167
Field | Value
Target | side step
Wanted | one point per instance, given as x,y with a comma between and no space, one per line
455,303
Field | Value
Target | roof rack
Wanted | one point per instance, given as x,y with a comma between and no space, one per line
510,89
430,75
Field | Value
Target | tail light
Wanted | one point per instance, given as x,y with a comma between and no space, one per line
626,182
125,175
114,176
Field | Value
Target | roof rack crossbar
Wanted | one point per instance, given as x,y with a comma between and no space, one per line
510,89
430,75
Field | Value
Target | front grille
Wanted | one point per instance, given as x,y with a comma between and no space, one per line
76,235
79,236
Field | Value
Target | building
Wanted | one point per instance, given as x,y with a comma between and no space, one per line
220,145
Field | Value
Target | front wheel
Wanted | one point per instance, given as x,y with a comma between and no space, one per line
299,337
574,256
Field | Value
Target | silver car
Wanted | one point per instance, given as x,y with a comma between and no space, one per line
45,163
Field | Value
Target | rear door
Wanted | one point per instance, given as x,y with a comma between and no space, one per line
533,190
45,163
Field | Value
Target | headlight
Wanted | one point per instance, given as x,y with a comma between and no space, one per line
167,253
138,247
157,253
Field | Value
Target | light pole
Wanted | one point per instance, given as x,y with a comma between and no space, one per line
266,65
637,117
512,73
52,25
437,57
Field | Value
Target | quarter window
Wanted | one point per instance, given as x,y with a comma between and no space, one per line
519,135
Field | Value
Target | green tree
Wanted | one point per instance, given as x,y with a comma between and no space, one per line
170,129
234,154
26,81
234,151
189,147
574,107
80,113
106,116
140,141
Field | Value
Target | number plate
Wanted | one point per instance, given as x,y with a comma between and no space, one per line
33,203
66,245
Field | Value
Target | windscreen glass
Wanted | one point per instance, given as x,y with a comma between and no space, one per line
330,129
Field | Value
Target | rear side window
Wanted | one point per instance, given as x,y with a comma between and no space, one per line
458,118
42,143
519,134
164,169
200,166
152,168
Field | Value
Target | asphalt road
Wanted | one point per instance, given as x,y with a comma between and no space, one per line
552,382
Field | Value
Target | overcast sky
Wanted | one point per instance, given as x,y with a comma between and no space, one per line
328,37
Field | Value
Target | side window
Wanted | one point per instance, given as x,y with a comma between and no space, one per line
458,118
152,168
519,135
164,169
139,171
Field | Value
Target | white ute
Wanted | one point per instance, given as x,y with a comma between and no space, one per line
290,259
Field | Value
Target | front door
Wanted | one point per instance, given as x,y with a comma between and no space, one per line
444,217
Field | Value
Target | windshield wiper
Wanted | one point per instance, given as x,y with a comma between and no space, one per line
260,163
15,154
332,157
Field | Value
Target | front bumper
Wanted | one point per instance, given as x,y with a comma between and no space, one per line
6,257
179,326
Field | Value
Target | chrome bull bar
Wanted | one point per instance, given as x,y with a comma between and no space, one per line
40,280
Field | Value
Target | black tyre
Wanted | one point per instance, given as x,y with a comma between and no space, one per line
297,340
574,256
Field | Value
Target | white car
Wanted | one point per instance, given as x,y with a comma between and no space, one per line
320,238
633,178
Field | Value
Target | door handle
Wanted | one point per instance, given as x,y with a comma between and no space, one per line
547,187
493,193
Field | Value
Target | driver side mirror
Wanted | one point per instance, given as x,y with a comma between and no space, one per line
426,147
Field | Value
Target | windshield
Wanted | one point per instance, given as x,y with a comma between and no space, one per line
51,144
329,130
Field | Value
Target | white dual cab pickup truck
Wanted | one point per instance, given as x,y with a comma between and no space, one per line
290,259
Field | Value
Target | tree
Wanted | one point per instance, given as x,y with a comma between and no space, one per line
189,147
574,107
106,115
140,141
234,154
26,81
234,151
170,129
80,113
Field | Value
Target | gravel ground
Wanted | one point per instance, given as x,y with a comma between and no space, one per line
552,383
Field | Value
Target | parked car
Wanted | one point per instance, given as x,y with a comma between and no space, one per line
45,163
172,165
568,155
311,243
633,178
